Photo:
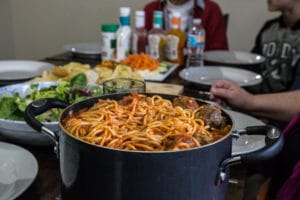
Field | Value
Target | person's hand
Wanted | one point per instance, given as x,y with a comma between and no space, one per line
231,94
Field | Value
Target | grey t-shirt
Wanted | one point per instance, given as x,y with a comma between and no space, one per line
281,47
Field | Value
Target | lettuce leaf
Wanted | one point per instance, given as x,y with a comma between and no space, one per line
77,89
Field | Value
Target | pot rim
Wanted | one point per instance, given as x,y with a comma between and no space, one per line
62,129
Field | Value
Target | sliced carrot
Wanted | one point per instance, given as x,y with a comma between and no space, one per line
141,62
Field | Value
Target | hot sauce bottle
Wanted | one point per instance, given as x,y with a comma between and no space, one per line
175,41
157,37
139,34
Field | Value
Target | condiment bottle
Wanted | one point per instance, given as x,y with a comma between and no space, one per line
157,37
175,41
109,41
123,34
196,44
139,34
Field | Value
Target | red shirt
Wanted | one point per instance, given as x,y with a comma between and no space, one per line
212,21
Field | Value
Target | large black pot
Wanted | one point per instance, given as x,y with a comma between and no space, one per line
93,172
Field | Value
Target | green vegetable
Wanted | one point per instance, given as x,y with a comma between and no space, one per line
80,80
164,67
77,89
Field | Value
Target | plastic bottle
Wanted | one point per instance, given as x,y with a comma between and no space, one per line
109,41
195,44
139,34
175,41
157,37
123,34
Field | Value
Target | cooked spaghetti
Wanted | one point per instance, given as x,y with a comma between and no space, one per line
142,123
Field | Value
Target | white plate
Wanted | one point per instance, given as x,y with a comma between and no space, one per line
245,143
86,48
209,74
233,57
18,169
14,70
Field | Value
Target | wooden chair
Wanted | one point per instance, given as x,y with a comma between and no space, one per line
226,19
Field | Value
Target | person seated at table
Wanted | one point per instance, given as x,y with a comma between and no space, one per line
208,10
284,170
278,41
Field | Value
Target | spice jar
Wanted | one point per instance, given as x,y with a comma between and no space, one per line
109,41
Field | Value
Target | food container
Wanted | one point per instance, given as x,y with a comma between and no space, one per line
123,85
94,172
109,41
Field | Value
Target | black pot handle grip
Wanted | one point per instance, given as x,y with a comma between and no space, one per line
274,144
273,140
40,106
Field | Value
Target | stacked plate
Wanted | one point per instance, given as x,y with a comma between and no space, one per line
205,76
18,169
233,58
85,49
15,71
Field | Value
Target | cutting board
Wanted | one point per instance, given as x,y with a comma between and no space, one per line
164,88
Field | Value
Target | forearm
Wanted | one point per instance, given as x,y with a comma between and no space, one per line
278,106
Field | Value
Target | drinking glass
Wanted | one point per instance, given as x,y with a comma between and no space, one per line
123,85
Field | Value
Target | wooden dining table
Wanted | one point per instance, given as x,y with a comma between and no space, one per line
46,185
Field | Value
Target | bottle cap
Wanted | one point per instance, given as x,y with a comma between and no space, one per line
125,16
157,14
176,14
124,11
139,18
157,19
175,20
109,27
140,13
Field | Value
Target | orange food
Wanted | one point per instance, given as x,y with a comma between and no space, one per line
141,62
144,123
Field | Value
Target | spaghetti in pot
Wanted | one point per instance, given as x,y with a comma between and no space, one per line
142,123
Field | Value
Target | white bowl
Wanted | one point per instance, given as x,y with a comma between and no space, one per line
20,131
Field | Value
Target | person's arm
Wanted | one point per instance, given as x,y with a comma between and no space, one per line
277,106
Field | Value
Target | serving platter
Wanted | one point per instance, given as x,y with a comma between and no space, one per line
233,57
158,75
13,71
209,74
18,169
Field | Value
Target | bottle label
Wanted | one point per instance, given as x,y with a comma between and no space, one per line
154,42
172,47
196,40
134,46
123,43
108,46
125,20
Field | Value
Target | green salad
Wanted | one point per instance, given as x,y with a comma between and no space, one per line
12,106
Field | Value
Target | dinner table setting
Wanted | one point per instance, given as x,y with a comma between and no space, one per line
37,159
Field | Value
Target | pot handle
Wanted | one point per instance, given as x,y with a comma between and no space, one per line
38,107
274,144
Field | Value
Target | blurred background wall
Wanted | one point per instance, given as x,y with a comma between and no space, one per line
34,29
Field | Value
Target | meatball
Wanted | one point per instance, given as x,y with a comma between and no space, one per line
212,115
185,102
